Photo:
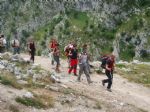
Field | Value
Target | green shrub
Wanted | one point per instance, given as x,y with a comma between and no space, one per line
30,102
138,73
39,101
25,33
10,81
120,65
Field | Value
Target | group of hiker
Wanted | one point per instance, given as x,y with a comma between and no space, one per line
75,58
15,45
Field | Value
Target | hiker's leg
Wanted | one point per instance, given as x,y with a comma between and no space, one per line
75,67
32,55
80,71
109,75
71,65
86,71
89,67
52,58
58,64
14,52
0,49
18,50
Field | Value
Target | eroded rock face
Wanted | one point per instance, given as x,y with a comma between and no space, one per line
26,17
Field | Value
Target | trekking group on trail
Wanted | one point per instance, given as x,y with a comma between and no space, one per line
74,58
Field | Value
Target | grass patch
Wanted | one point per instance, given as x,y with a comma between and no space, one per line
30,102
139,74
37,69
39,101
10,80
120,65
68,91
78,18
23,65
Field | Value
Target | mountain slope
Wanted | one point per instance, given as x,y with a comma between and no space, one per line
97,22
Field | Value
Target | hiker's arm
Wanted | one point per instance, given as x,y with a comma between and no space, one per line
69,54
89,57
107,68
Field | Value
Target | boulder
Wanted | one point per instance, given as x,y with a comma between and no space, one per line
28,95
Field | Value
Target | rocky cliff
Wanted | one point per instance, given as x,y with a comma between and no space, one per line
119,24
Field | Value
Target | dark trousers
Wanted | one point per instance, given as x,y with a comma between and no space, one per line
109,74
32,53
2,49
16,50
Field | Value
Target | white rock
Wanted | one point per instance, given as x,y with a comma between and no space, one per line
53,88
136,61
126,69
22,82
28,95
62,85
122,104
1,66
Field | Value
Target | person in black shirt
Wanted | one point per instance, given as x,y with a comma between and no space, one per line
73,60
109,72
32,50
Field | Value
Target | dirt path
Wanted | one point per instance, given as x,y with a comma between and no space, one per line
124,92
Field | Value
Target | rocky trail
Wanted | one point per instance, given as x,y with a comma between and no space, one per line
124,92
125,96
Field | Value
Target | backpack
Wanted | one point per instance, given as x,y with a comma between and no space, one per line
104,61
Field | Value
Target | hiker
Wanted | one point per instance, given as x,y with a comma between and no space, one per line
2,44
16,45
73,54
109,72
67,49
52,46
85,49
32,49
103,60
84,66
56,54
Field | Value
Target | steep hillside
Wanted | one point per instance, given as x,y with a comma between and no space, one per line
99,23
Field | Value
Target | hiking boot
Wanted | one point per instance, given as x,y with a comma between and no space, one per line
103,83
109,90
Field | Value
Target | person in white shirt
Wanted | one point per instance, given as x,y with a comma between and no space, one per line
2,44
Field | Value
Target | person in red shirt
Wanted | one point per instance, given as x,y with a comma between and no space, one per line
56,54
109,72
52,46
